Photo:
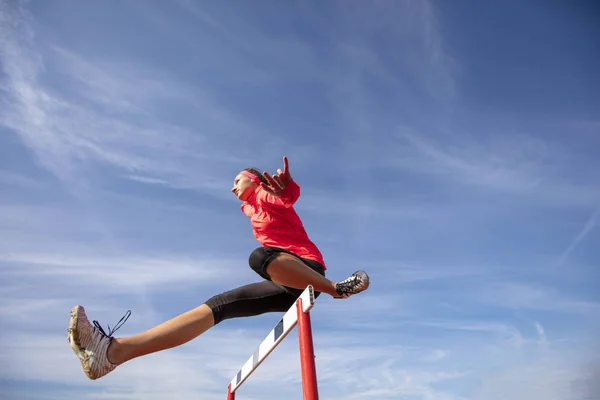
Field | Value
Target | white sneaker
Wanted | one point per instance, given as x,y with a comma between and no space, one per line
90,343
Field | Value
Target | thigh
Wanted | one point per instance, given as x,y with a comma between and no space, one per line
261,257
250,300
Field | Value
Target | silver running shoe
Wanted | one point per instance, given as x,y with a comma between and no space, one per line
355,283
90,343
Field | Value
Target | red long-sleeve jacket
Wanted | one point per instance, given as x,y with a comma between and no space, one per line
275,222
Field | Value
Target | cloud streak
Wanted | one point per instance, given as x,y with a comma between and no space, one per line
122,130
589,225
520,165
118,272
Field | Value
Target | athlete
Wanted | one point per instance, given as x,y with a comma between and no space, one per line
287,260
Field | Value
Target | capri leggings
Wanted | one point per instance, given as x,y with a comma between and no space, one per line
260,297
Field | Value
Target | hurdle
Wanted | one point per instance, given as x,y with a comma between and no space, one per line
298,314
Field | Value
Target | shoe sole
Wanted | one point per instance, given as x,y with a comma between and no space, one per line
366,280
74,341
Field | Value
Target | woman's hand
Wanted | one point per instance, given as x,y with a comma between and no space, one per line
279,182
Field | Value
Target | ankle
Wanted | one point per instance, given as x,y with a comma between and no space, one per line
333,290
114,352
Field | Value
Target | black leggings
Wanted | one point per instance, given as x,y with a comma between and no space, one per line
260,297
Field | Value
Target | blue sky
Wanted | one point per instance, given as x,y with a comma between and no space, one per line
449,150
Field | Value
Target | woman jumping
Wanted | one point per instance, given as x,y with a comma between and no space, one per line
287,260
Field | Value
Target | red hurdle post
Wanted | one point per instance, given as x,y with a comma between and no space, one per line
307,354
230,394
292,318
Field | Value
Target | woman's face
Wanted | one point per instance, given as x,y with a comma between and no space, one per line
242,187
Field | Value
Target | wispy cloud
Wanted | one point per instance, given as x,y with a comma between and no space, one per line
506,333
587,228
123,129
512,168
533,297
9,178
514,164
12,306
118,272
542,334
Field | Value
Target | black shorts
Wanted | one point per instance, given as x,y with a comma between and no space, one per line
259,297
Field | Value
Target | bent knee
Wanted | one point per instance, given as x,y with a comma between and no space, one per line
259,260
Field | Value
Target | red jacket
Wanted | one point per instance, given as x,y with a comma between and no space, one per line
276,223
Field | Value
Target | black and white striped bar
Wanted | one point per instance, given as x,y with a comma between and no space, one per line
277,334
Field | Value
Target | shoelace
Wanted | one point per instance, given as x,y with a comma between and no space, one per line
347,285
116,327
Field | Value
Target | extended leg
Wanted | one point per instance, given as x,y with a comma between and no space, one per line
172,333
100,353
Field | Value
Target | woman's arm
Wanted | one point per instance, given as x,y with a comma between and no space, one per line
282,189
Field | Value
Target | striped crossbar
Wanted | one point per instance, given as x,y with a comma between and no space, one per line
277,334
